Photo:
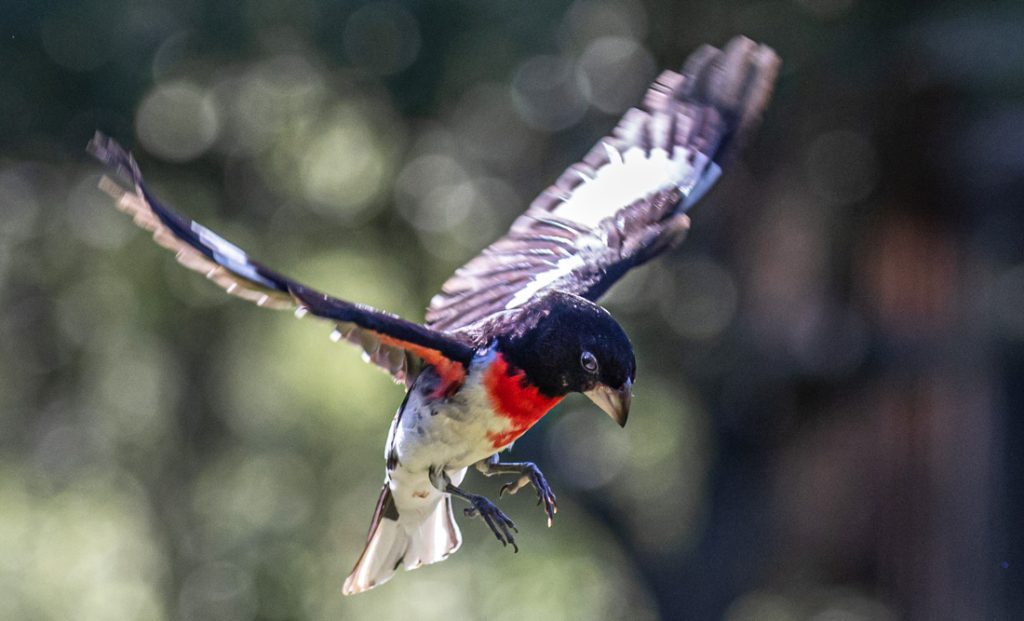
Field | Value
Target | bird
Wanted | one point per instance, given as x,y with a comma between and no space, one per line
517,328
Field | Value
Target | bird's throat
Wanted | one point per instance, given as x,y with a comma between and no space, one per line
514,398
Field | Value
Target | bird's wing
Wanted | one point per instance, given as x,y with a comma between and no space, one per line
626,201
392,343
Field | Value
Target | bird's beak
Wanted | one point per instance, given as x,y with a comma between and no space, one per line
614,402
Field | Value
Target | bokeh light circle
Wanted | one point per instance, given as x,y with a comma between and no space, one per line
177,121
547,94
382,38
615,71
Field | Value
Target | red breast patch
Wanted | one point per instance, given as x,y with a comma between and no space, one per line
514,398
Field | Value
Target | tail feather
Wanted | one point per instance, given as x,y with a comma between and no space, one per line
436,538
394,542
381,557
384,549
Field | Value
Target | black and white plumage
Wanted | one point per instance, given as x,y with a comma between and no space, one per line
388,341
517,328
626,201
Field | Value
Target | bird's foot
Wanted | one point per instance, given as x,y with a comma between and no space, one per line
531,475
500,524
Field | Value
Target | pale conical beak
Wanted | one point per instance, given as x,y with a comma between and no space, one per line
614,402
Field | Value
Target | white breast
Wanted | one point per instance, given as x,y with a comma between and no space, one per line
451,433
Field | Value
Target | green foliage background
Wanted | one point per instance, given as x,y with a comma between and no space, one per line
827,406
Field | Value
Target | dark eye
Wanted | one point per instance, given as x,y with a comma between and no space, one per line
589,362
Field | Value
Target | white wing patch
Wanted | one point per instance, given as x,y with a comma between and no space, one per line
630,176
229,255
562,268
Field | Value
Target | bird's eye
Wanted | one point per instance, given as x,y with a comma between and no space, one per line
589,362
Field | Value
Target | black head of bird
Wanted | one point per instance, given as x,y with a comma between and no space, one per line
568,344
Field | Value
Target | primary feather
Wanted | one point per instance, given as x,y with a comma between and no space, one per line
625,202
398,346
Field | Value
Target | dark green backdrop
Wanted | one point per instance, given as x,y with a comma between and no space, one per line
828,407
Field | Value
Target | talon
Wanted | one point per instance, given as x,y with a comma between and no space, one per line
529,474
515,486
544,494
500,524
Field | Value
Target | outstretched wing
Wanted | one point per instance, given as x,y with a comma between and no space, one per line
626,201
392,343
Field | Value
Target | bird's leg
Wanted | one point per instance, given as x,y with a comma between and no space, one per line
529,474
500,524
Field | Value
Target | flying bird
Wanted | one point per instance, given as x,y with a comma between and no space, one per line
517,328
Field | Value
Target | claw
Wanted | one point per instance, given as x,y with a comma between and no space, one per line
514,486
500,524
533,476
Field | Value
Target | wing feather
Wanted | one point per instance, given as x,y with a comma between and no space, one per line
625,202
398,346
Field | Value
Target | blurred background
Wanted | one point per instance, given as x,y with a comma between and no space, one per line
829,393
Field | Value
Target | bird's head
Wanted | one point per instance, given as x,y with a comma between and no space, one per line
566,343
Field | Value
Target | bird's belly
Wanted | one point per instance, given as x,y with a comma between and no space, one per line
414,494
447,437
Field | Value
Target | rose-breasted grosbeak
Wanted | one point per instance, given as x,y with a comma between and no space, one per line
516,329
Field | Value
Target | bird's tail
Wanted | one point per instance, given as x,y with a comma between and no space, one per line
403,540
